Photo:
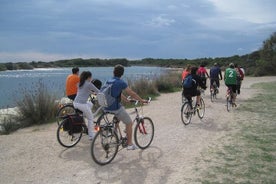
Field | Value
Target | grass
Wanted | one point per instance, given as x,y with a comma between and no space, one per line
249,154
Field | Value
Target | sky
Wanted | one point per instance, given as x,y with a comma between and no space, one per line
50,30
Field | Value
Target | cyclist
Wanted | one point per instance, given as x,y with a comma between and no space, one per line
240,76
202,72
215,75
117,88
230,79
72,81
85,88
193,91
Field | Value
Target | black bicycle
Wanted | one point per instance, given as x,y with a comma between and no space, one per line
189,108
229,100
109,137
213,91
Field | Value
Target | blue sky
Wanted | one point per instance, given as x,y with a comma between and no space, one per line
48,30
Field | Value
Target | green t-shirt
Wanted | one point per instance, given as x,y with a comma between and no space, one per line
230,76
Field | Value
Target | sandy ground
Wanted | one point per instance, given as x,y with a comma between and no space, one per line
33,155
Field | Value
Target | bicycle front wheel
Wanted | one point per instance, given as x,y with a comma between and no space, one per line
144,132
65,110
104,147
66,138
201,109
186,113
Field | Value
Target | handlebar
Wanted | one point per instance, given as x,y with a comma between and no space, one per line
137,101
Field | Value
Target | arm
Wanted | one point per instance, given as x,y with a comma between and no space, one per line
134,95
220,74
94,88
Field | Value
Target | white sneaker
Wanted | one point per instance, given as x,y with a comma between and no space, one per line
131,147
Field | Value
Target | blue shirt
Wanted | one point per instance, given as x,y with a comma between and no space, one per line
215,72
118,86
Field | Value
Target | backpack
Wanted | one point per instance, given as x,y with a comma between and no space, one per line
188,81
104,97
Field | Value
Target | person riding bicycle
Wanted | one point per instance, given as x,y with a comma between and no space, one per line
117,88
240,77
230,79
202,72
194,91
215,76
72,81
85,88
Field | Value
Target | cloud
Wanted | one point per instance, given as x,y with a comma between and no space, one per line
161,21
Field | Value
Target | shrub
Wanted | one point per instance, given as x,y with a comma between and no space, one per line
37,106
143,87
168,82
10,123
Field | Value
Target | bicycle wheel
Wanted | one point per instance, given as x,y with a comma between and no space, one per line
186,113
104,146
144,132
201,109
212,95
63,111
65,138
228,103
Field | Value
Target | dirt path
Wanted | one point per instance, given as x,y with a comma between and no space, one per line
33,155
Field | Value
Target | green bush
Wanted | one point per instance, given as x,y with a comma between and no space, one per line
169,82
143,87
37,106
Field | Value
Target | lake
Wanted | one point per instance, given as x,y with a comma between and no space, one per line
13,82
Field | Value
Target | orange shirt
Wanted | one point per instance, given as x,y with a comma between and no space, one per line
72,84
184,74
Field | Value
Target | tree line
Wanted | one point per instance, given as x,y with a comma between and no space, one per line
257,63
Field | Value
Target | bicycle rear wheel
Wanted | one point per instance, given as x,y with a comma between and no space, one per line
144,132
212,95
186,113
228,103
65,138
65,110
201,109
104,146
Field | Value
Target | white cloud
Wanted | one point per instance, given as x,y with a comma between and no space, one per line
253,11
161,21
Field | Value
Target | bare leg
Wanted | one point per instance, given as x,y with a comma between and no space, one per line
129,133
198,100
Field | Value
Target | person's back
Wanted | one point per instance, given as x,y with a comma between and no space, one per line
215,72
230,76
72,84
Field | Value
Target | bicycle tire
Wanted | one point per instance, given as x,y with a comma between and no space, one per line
65,138
228,104
201,109
186,113
65,110
101,144
144,133
212,95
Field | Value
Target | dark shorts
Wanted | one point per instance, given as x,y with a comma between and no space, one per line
233,87
191,92
214,80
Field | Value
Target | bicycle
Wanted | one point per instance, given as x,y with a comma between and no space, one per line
72,127
189,109
68,108
229,100
109,136
213,91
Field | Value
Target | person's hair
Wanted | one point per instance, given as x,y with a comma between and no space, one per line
75,70
215,64
194,70
118,70
188,67
84,76
231,65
